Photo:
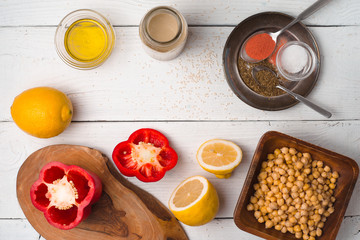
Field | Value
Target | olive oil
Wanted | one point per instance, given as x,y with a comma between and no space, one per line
86,40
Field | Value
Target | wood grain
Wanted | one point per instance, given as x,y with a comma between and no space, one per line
201,12
185,138
132,86
124,211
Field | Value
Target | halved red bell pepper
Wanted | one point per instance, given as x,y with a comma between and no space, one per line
146,155
65,194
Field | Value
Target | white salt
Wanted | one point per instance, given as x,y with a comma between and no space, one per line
294,58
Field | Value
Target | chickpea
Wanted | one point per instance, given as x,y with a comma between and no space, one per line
273,205
298,165
278,227
292,151
297,215
307,170
291,178
269,157
298,234
332,186
279,161
320,197
299,155
270,164
253,199
287,157
335,174
284,150
311,238
269,224
250,207
318,232
284,229
307,155
304,160
300,178
262,176
261,219
285,207
316,174
292,220
303,219
291,209
320,225
285,190
311,222
320,164
269,180
306,237
264,188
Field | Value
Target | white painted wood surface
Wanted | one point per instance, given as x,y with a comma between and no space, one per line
187,98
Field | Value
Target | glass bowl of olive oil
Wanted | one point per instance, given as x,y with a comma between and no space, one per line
84,39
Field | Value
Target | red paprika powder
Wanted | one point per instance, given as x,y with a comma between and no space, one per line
260,46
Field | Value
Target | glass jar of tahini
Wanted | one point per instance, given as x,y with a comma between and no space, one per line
163,32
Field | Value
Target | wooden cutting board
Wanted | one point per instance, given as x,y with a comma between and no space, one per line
124,210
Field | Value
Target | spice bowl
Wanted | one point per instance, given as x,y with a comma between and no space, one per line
267,21
348,173
296,61
84,39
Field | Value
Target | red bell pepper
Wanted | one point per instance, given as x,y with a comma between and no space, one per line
146,155
65,194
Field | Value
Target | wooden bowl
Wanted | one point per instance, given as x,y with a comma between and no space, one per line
347,168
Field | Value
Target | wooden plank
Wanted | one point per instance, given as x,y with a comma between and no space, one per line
217,229
209,12
226,229
17,229
341,137
132,86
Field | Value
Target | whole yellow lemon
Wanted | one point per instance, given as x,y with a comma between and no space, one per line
42,112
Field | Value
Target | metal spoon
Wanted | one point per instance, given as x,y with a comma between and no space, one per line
298,97
274,35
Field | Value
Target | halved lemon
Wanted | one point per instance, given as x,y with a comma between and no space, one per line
219,156
195,201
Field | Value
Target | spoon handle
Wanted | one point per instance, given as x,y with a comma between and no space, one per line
307,12
300,98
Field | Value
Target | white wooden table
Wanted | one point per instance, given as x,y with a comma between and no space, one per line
187,99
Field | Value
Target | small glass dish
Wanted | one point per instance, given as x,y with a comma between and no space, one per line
81,24
296,61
